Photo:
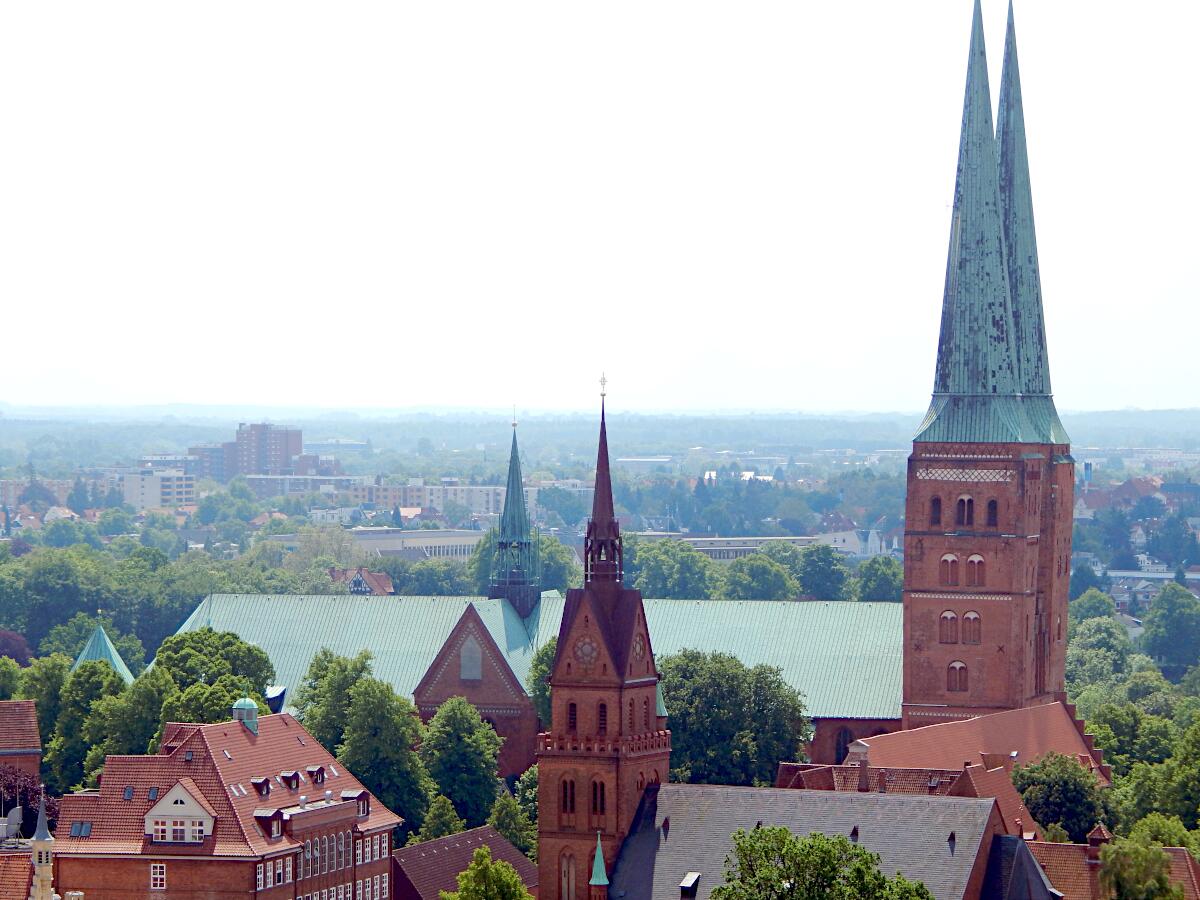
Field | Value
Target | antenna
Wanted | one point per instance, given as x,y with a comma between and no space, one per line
603,386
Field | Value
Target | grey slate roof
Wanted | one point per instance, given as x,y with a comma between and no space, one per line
844,657
909,833
1014,874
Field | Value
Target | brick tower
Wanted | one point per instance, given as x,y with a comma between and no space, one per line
606,744
987,541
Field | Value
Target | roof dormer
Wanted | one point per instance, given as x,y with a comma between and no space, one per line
181,816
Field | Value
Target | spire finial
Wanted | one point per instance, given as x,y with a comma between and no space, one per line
514,419
603,386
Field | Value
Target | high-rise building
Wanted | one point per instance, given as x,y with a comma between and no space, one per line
257,449
987,540
516,572
607,741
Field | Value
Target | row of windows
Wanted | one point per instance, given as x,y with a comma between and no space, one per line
602,717
177,831
367,889
329,853
964,512
950,633
976,570
599,807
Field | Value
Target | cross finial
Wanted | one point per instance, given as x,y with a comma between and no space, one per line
514,419
603,385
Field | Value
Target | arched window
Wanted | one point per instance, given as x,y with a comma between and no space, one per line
645,715
470,660
964,513
567,807
341,859
993,514
971,627
949,569
935,511
842,746
566,868
976,577
956,677
948,628
598,801
602,719
631,717
308,859
572,717
324,854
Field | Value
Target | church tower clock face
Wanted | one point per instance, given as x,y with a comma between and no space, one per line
639,648
586,651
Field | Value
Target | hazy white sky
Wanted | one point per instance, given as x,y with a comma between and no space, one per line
724,205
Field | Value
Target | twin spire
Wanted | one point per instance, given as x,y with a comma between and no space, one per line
992,382
603,552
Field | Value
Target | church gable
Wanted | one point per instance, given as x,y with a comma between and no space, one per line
583,653
470,664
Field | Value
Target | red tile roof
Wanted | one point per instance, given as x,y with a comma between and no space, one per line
424,870
380,583
977,781
224,758
1029,733
1078,877
19,727
16,874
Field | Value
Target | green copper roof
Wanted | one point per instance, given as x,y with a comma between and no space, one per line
976,361
100,647
514,520
599,876
660,704
845,658
1020,239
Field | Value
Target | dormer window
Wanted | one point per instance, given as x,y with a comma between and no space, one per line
364,806
317,774
262,785
290,779
276,828
128,792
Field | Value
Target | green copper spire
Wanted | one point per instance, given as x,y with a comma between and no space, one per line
515,566
975,392
1020,238
100,647
599,876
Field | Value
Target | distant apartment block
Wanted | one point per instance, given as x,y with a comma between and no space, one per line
267,486
727,549
412,544
257,449
183,462
159,489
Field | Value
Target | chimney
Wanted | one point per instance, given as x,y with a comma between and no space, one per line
864,781
1097,838
883,781
329,796
303,800
690,885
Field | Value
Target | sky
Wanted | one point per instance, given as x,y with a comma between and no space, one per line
474,204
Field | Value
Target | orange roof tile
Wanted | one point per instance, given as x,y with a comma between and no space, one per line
19,727
224,757
1069,869
1021,736
977,781
16,874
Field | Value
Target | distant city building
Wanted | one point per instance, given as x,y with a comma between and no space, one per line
363,582
183,462
859,543
267,486
149,489
257,449
726,549
412,544
246,807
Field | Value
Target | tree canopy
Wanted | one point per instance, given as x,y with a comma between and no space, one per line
488,879
1057,789
460,752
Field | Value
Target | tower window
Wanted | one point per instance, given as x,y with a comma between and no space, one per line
935,511
956,677
949,569
976,577
602,719
568,796
964,513
971,627
631,725
645,715
948,628
993,514
572,718
598,801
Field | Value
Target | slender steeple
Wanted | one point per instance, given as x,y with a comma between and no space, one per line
515,566
42,886
599,877
976,385
602,544
43,829
1020,238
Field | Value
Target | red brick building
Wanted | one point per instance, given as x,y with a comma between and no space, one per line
248,807
423,871
987,541
20,741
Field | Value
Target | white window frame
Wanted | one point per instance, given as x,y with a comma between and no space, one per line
376,887
160,830
287,866
279,871
385,886
258,876
158,876
358,851
375,847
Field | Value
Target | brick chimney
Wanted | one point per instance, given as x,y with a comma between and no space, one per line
1097,838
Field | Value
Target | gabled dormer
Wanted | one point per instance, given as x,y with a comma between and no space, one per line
181,816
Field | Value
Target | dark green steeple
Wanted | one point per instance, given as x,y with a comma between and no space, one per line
516,572
1020,239
976,385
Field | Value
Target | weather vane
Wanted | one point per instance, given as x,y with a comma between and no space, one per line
514,415
603,385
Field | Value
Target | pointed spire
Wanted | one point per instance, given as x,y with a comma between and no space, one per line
976,362
603,553
516,569
100,646
599,875
514,520
1020,238
43,830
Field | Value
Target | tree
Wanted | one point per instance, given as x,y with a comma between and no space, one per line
77,499
488,879
126,723
115,521
571,506
460,751
1106,635
436,578
526,792
1056,788
1166,831
15,647
1084,579
440,821
881,578
510,820
68,748
1172,632
43,683
204,703
539,671
323,699
1091,604
10,678
560,565
758,577
1133,870
71,636
730,724
379,747
823,573
771,863
53,593
674,569
205,655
